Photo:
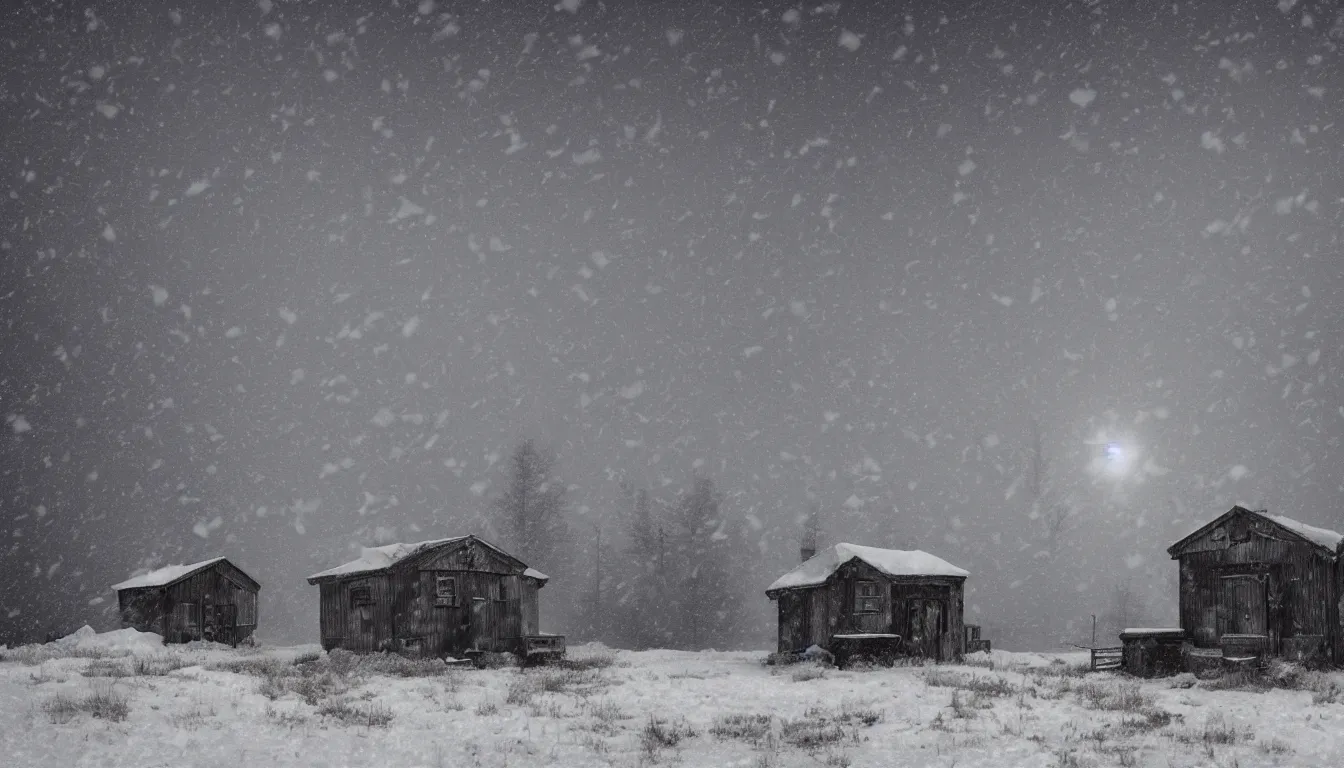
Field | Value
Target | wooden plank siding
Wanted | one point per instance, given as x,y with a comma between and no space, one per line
206,591
142,609
492,605
531,607
219,597
1336,601
1248,576
811,616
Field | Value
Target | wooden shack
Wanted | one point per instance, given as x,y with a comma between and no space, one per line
210,600
454,597
1266,584
853,592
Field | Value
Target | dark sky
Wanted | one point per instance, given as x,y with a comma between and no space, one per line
280,278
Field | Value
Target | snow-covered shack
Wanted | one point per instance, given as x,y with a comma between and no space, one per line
1262,584
210,600
850,592
450,597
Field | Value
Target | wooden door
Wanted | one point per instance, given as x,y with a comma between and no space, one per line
359,627
805,620
926,629
1245,604
226,623
478,635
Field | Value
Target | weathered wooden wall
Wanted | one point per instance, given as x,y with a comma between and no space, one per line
812,616
1337,603
494,606
331,610
218,585
156,609
790,625
1292,585
840,594
531,607
142,609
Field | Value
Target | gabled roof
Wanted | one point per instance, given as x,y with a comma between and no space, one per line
1326,539
171,574
892,562
379,559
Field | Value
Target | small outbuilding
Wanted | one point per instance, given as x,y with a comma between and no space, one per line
848,594
1254,584
210,600
454,597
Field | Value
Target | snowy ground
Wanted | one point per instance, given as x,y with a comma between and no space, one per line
121,700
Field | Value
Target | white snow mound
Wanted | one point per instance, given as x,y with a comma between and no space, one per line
117,640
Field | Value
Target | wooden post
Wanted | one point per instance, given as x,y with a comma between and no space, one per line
1094,630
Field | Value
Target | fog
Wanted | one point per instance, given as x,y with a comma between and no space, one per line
279,280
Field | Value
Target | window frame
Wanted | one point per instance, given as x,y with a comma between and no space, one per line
361,594
866,602
441,579
507,591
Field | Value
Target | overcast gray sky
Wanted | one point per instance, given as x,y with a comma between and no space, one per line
282,278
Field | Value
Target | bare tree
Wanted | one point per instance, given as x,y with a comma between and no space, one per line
1049,521
1048,510
643,583
706,597
1126,607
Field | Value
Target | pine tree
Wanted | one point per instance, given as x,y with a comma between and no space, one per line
706,597
642,587
533,507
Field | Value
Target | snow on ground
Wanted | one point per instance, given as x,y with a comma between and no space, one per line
117,703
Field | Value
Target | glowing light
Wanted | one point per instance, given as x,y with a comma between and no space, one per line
1118,460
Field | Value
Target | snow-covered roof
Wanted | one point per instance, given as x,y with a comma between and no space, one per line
1322,536
379,558
162,577
892,562
533,573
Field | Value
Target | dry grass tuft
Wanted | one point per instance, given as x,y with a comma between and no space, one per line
104,702
369,715
1118,697
751,728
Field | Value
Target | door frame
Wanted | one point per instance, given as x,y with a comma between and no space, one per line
931,642
1261,581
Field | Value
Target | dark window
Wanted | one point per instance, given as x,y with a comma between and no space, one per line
445,587
506,591
361,595
867,598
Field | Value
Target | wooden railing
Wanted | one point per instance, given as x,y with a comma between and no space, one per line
1107,658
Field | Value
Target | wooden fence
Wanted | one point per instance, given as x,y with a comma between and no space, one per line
1106,658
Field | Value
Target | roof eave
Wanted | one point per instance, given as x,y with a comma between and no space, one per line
1175,549
418,556
209,564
